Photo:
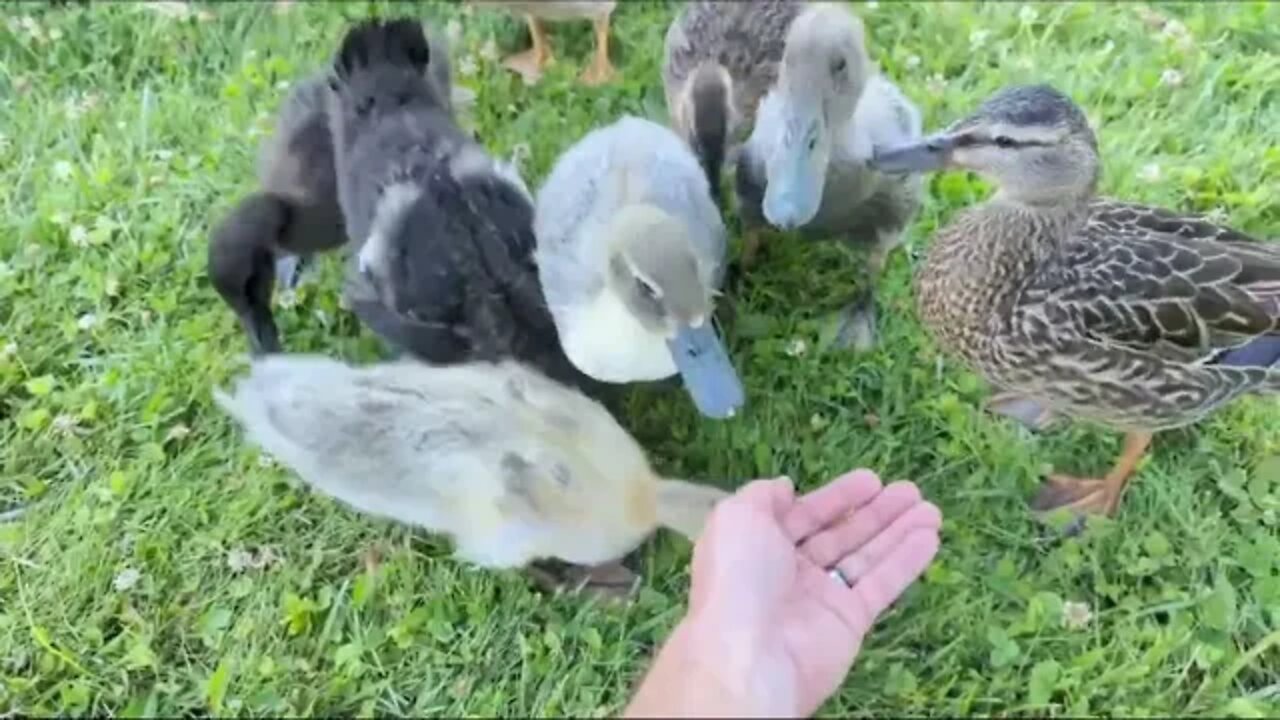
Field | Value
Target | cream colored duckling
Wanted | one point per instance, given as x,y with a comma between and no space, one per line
631,254
513,466
804,165
531,63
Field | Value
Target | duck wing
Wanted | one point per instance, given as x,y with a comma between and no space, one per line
1146,318
1178,286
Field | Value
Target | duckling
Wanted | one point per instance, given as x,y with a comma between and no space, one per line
265,237
1134,317
272,235
719,60
445,268
530,63
824,107
630,251
511,465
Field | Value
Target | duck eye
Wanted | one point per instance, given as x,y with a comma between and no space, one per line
838,66
647,290
1004,141
365,106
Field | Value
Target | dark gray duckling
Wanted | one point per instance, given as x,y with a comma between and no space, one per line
272,234
445,269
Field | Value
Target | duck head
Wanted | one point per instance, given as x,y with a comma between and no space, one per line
654,272
822,75
1030,140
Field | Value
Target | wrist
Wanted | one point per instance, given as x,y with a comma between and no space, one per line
704,670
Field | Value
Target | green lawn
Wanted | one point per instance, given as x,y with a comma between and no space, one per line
162,567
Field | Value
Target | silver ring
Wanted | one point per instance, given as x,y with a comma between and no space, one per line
839,577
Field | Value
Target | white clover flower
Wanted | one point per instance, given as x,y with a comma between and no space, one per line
78,235
1171,78
797,347
126,579
1027,15
10,349
65,423
62,169
1076,615
978,38
87,321
169,9
468,67
177,432
913,62
489,50
1150,172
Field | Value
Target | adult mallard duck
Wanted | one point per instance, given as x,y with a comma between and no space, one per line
795,75
530,63
631,255
1134,317
516,468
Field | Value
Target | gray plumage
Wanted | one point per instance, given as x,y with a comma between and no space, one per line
445,268
271,234
632,160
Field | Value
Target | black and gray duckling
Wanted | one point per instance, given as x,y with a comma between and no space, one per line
271,235
445,269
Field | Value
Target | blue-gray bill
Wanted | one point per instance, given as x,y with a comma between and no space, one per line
927,155
708,376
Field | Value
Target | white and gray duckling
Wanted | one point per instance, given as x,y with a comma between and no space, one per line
445,269
272,235
511,465
804,165
631,252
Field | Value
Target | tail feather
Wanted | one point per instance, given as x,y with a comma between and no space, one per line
401,41
684,506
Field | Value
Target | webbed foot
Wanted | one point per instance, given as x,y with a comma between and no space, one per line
855,325
611,582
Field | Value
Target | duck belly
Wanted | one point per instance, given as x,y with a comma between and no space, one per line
604,340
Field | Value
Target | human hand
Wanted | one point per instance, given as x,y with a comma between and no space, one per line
769,631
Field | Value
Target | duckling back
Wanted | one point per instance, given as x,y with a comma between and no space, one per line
510,464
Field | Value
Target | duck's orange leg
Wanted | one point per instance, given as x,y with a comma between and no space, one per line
600,71
1090,495
530,63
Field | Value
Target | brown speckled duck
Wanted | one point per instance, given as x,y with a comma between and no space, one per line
1134,317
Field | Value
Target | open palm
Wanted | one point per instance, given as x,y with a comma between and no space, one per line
761,579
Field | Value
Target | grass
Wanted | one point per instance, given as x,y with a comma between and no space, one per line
161,568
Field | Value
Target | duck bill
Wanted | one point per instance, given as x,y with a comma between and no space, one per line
708,376
927,155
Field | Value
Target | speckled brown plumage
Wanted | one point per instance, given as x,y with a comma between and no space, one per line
1111,312
1138,318
746,37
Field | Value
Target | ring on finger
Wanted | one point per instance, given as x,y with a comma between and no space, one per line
838,575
